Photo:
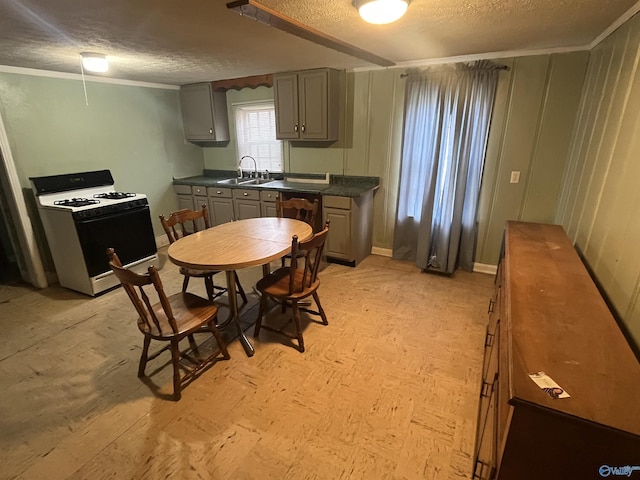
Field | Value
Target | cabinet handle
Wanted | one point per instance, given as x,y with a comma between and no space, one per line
211,131
245,194
488,341
219,192
485,391
303,128
479,470
295,128
491,304
487,388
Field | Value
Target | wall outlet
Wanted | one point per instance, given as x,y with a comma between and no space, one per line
515,176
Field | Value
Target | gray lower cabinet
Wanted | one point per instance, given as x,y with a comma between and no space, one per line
191,197
185,201
246,204
220,205
350,231
268,203
204,113
199,195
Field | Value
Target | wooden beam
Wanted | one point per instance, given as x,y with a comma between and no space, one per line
244,82
256,11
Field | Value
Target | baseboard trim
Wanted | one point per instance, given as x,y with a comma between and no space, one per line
383,252
484,268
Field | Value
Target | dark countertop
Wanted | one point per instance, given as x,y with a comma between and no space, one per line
340,186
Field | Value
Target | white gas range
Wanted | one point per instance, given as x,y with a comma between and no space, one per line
83,215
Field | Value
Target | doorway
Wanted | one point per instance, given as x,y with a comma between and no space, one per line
9,269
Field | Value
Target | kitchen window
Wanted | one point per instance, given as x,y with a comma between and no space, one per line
256,134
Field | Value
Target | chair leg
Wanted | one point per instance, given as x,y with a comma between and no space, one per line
192,343
320,309
175,360
240,289
208,283
185,283
143,357
219,340
261,312
296,318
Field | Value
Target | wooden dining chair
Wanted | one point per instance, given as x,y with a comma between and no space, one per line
169,320
187,221
300,209
289,285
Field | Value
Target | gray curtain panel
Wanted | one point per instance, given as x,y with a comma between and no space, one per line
446,126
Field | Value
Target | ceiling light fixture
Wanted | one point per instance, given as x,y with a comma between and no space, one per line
380,12
263,14
94,62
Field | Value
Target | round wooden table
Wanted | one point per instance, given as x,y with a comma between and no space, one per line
235,245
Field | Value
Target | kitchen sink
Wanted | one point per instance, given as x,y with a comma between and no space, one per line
245,181
256,181
233,181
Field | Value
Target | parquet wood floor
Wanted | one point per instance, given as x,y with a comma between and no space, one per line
388,390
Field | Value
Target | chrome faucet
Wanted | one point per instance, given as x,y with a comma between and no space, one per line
255,166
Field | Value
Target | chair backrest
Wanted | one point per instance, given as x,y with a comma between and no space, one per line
130,280
184,218
298,208
310,252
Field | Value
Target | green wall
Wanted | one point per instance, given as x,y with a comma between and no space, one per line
134,131
533,118
601,198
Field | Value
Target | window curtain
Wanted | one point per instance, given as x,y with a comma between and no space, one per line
446,126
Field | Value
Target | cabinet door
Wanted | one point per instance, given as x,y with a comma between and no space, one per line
313,88
197,111
269,209
185,201
286,106
268,203
246,209
339,239
220,210
204,113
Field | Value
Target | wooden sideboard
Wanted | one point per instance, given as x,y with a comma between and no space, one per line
546,314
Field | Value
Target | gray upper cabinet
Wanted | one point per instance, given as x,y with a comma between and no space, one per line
204,113
307,105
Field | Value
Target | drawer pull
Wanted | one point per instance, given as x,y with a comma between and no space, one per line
487,388
488,341
245,194
219,192
482,470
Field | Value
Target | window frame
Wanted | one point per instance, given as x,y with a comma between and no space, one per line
271,161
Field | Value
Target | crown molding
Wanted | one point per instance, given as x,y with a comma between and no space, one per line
88,78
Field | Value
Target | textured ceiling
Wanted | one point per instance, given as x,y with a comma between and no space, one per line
170,42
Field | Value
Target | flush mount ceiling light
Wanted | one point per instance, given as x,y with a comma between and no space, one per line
380,12
263,14
94,62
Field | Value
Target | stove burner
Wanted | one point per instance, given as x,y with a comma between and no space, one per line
114,195
75,202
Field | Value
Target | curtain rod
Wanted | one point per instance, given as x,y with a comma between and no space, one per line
494,66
